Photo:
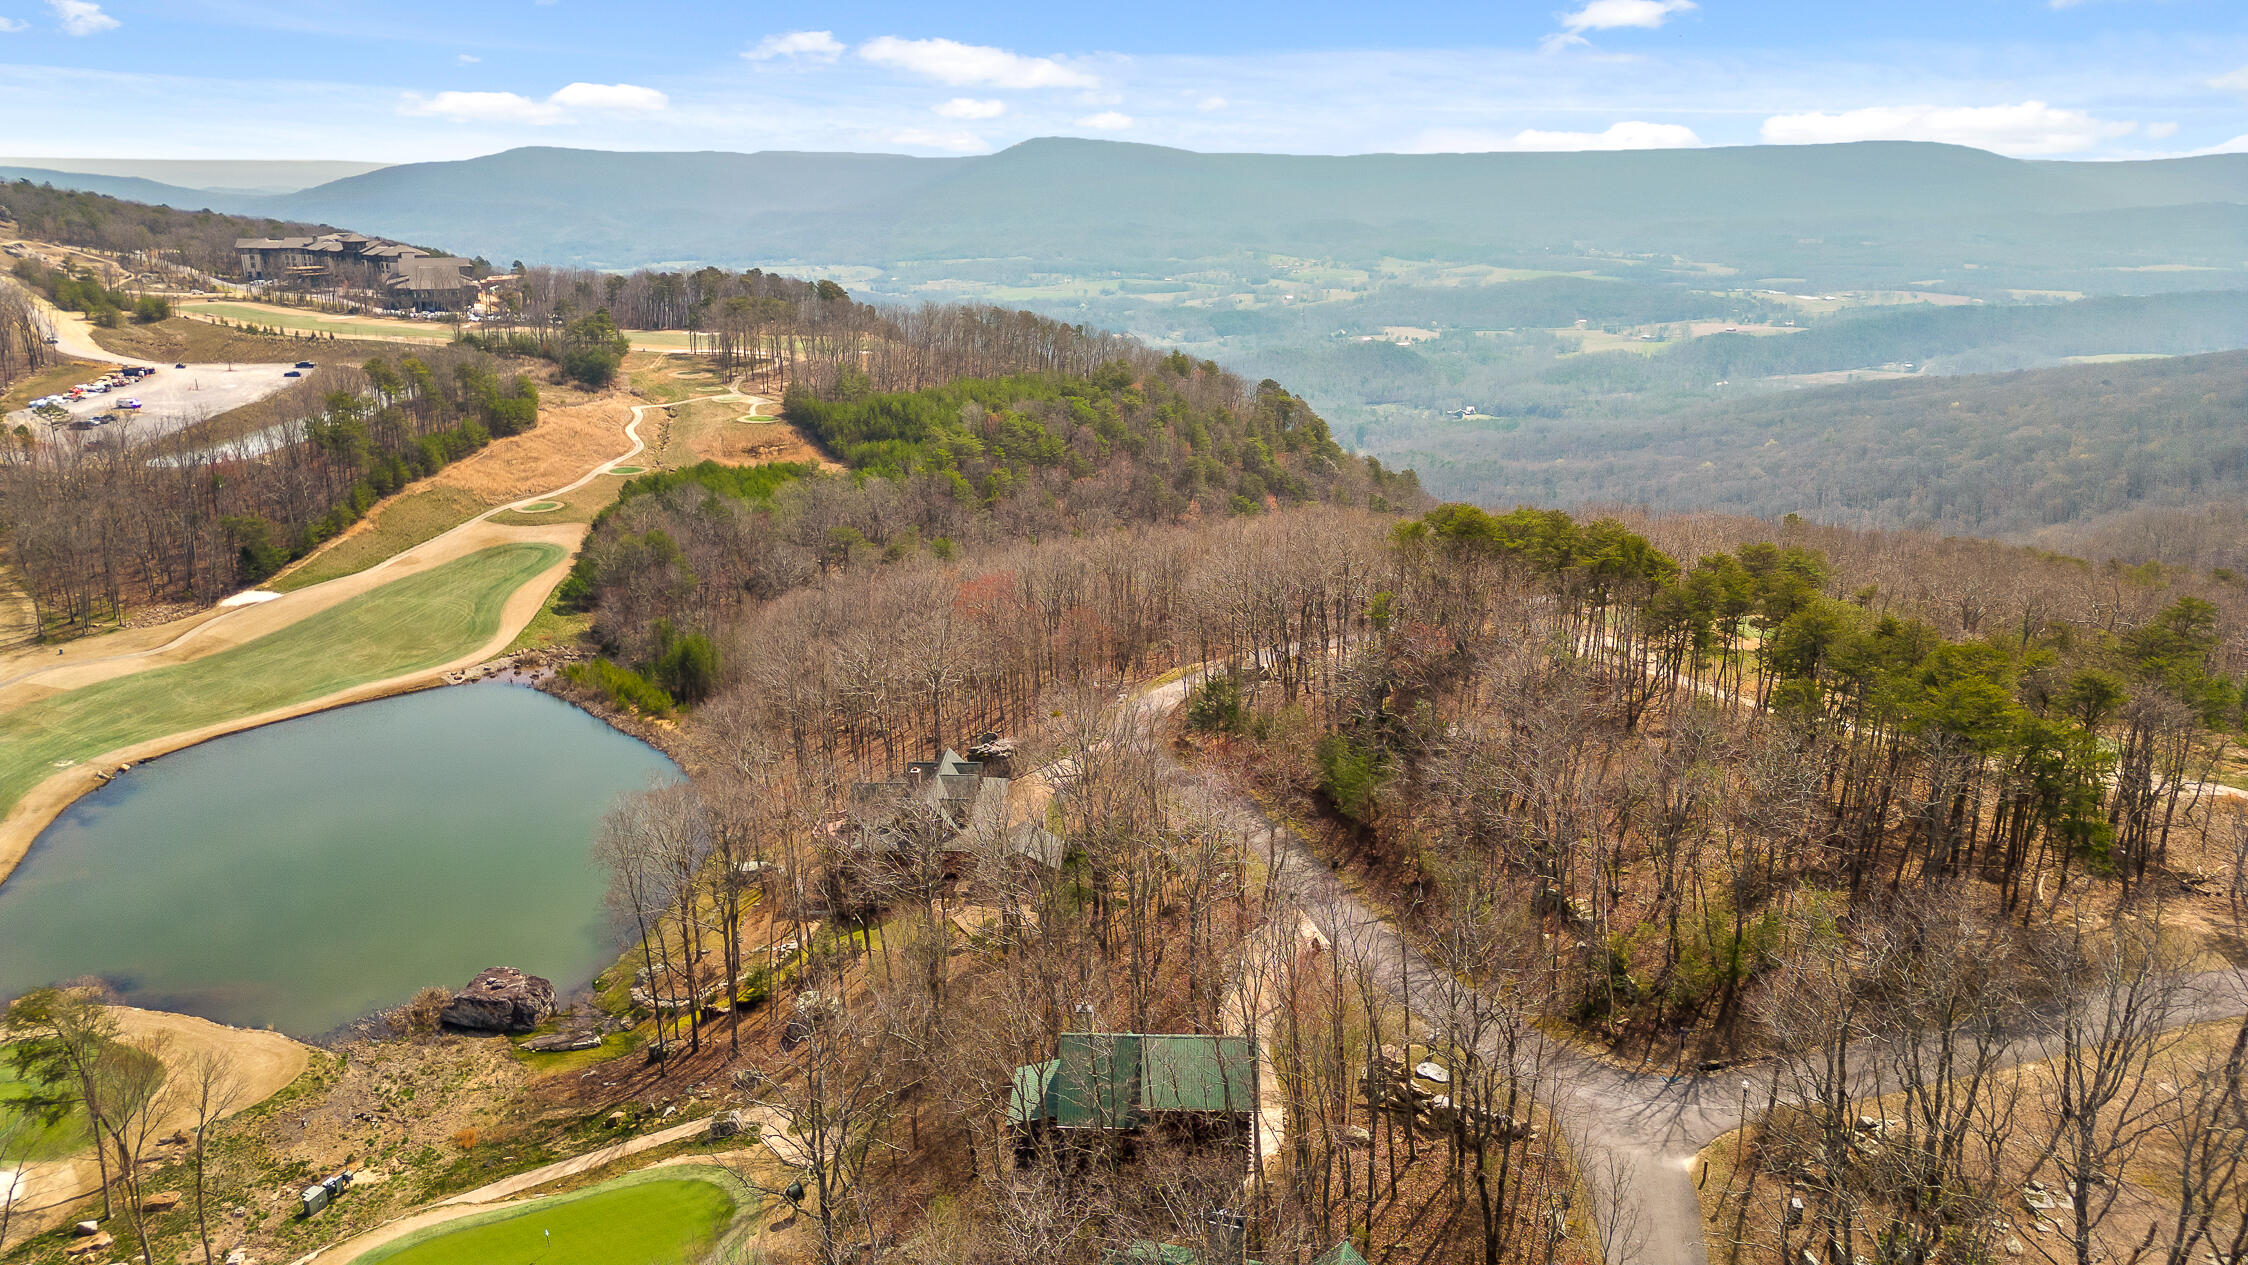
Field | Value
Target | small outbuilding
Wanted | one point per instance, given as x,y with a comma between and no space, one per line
1122,1081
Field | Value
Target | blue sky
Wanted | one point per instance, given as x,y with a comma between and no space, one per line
399,82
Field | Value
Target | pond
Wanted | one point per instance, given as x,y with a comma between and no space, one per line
301,875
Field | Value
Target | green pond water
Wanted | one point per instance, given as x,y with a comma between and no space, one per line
301,875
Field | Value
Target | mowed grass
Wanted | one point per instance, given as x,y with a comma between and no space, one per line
383,327
200,342
44,1141
669,1220
399,525
405,626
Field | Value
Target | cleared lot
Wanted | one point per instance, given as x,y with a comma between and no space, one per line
172,400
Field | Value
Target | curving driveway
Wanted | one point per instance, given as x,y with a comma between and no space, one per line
1635,1134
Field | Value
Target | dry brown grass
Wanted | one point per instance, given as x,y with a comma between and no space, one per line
575,432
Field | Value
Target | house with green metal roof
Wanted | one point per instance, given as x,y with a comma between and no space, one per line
1120,1081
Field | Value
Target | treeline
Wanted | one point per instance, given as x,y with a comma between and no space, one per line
589,350
647,299
99,526
962,465
202,240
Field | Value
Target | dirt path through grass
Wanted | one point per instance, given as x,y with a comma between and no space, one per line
401,624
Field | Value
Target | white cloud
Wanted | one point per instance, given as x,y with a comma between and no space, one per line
958,64
1609,15
511,107
929,138
2162,131
1630,134
2027,128
2237,81
1210,103
809,45
9,26
81,17
1615,15
470,59
495,107
970,108
625,98
2237,145
1106,121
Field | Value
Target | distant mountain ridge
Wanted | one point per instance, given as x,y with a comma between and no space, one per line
268,176
1874,213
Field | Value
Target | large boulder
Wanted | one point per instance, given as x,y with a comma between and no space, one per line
501,999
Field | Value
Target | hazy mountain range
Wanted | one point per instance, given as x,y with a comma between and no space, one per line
1872,214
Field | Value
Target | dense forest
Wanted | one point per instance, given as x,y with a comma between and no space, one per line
964,464
96,528
1689,787
1994,455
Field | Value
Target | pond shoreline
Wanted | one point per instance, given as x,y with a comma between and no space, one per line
29,816
279,877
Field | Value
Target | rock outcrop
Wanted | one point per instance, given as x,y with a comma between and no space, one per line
501,999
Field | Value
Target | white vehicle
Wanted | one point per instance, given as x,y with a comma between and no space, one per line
130,404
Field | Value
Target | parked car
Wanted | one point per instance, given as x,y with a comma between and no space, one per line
306,364
130,404
292,374
180,365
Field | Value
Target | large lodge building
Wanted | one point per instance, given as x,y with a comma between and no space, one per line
406,275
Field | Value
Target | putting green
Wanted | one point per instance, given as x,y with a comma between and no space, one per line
644,1219
405,626
628,469
539,507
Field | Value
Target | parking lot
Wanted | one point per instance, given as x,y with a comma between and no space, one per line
170,400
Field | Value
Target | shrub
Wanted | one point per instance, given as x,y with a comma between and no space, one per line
1349,772
150,308
686,665
592,367
420,1017
1216,706
624,688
